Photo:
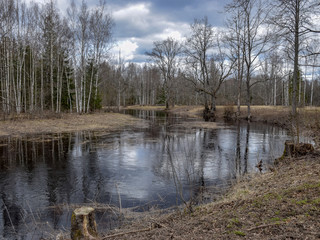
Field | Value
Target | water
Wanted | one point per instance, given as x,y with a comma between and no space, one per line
43,177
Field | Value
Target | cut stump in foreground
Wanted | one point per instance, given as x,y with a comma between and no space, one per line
83,225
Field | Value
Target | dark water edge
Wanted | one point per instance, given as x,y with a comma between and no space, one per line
43,177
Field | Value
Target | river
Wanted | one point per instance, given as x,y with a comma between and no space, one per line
43,177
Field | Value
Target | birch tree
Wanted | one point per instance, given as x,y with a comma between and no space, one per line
101,25
254,15
293,20
235,39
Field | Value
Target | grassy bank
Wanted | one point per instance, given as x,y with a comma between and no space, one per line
308,117
271,114
281,204
67,123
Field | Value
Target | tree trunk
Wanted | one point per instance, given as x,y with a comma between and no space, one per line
296,60
51,70
90,88
41,85
248,101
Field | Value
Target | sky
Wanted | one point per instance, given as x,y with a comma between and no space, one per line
139,23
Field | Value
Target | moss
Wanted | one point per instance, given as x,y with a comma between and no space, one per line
257,203
73,218
239,233
316,201
270,196
302,202
77,235
275,219
233,222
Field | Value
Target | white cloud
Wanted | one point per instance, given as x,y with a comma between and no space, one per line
134,11
137,14
127,49
172,32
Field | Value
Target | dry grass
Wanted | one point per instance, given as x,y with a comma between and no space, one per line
146,107
68,123
197,125
190,111
283,204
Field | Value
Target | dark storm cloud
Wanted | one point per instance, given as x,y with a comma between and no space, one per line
139,23
174,11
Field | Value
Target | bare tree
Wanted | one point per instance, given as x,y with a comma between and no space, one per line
100,33
235,38
101,25
197,50
293,18
254,15
165,55
207,66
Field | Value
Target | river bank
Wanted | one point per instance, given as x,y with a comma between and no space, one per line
67,122
280,204
308,117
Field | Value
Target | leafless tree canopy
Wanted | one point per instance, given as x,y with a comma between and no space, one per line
267,53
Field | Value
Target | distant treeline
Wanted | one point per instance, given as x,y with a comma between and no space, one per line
268,53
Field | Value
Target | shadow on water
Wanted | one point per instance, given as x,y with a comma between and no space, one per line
43,177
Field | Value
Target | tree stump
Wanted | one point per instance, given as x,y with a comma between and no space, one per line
83,225
209,115
289,149
295,150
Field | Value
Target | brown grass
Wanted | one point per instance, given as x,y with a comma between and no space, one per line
282,204
68,123
280,115
146,107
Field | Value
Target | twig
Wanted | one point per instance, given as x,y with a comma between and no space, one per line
9,216
125,233
119,197
264,226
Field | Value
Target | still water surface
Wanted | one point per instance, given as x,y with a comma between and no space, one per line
42,177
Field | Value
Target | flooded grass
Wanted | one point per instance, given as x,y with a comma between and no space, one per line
68,123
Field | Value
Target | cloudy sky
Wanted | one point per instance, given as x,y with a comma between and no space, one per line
138,23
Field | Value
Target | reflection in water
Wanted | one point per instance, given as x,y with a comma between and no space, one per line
43,176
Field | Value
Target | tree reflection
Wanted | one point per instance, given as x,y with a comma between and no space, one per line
163,165
246,152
